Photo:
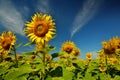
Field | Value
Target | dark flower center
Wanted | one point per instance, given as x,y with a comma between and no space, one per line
41,30
6,45
68,50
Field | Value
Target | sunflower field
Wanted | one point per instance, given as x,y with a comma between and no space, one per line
41,65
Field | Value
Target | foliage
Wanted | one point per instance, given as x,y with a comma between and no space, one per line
39,64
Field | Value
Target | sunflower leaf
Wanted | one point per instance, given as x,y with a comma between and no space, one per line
18,45
28,53
51,48
2,69
17,72
28,44
67,75
54,55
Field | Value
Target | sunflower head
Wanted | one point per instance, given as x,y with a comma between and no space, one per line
114,61
115,41
104,43
68,46
62,57
101,55
89,56
19,57
76,52
102,68
40,47
48,57
41,28
8,58
109,48
7,40
102,61
32,56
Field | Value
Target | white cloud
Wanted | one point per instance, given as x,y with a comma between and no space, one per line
10,18
43,6
84,15
24,10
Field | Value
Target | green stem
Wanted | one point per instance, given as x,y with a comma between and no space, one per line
16,61
1,57
43,66
44,62
106,65
87,66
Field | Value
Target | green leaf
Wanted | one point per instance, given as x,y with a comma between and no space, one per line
39,66
79,76
104,76
88,76
117,66
54,55
18,45
28,53
49,77
16,72
28,44
61,53
2,69
67,75
21,78
57,72
117,78
58,78
34,78
48,49
52,48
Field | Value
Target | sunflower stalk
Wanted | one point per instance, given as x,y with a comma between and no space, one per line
1,58
15,54
44,62
87,66
68,61
106,66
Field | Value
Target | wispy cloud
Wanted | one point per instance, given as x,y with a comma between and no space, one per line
43,6
13,17
88,10
10,18
24,10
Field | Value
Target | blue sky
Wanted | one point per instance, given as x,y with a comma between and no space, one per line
86,22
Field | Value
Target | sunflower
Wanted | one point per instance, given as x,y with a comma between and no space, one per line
76,52
102,61
89,56
41,28
102,68
68,46
114,61
115,41
101,55
47,56
19,57
32,56
7,40
40,47
104,43
109,49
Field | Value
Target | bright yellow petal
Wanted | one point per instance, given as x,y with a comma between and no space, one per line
43,34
